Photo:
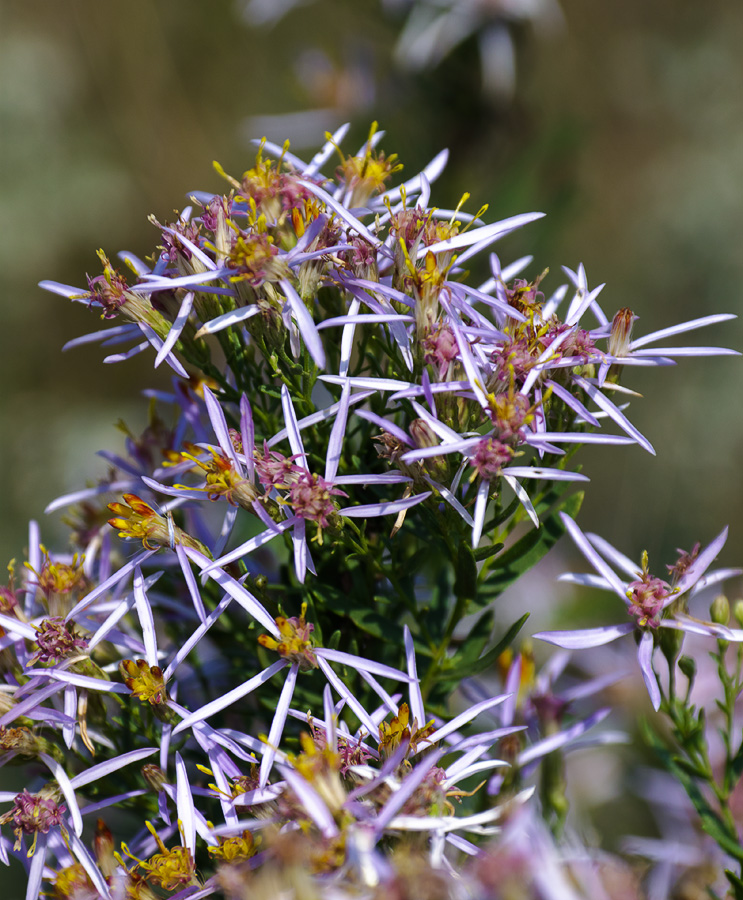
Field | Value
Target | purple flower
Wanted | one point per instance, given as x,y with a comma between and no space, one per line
37,814
489,456
292,639
56,640
648,600
308,496
532,700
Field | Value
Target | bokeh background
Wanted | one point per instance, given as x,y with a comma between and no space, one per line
622,121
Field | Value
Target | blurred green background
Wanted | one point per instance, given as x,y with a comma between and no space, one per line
625,126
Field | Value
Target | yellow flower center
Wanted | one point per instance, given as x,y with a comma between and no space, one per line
144,681
295,642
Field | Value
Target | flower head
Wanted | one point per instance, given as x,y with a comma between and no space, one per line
108,289
649,601
648,597
146,682
33,814
56,640
401,731
137,519
294,642
170,868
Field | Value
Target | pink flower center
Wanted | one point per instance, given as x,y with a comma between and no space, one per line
647,597
33,814
274,469
311,497
440,348
490,457
56,640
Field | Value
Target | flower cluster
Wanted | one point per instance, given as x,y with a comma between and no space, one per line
359,449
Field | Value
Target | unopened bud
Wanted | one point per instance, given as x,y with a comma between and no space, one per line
154,776
621,332
103,847
671,641
688,667
423,434
738,612
719,611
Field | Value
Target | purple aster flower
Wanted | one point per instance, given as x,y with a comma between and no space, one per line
532,700
566,348
649,601
489,456
56,640
110,292
311,497
292,639
229,473
38,814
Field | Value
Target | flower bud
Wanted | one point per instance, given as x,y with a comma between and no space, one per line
719,611
688,667
621,332
671,642
155,777
103,847
738,612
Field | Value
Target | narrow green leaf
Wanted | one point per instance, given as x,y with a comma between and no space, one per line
465,580
335,639
736,883
269,391
689,767
529,549
502,516
557,490
477,638
374,619
486,552
489,658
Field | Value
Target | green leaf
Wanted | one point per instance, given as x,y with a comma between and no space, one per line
335,639
369,617
486,552
736,883
489,658
477,637
500,517
465,579
529,549
557,490
690,768
439,605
